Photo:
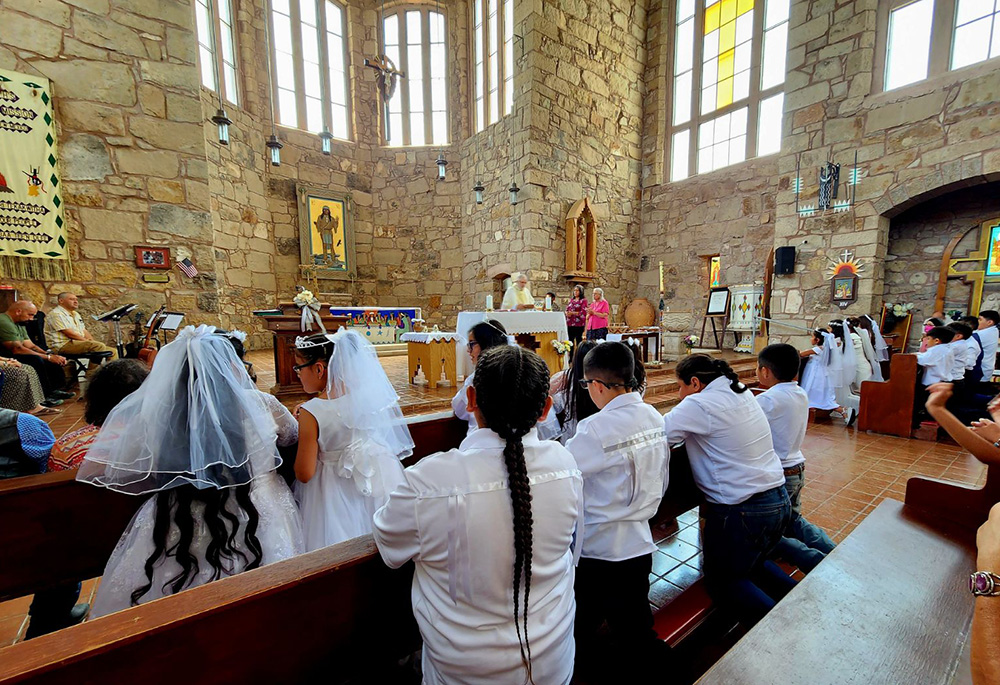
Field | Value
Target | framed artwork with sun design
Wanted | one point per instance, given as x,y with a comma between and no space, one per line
844,279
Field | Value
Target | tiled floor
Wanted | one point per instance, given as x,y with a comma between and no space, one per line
848,473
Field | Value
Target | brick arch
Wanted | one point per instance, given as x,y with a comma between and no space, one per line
941,181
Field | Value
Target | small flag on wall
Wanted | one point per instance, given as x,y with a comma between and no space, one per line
187,266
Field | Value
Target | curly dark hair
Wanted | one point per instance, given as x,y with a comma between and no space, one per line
112,383
707,369
512,385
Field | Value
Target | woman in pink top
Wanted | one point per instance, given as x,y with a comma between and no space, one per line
597,316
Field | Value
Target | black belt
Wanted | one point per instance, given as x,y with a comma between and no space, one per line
795,470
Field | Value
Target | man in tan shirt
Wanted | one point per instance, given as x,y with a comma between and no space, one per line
66,333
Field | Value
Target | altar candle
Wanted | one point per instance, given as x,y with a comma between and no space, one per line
661,277
489,303
548,303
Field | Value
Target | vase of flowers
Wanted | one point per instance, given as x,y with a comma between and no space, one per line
690,341
894,313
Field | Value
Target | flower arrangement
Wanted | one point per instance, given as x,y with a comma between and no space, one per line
562,346
895,313
690,341
309,306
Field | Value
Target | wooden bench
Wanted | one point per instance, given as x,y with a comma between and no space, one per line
346,608
889,406
889,605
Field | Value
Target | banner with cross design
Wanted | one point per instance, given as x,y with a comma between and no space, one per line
32,228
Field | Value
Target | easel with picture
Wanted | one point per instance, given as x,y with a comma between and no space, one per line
717,308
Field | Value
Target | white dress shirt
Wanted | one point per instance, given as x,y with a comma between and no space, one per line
623,455
452,516
786,407
460,404
937,364
972,350
728,442
988,337
958,350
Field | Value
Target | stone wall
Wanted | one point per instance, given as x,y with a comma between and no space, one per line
131,148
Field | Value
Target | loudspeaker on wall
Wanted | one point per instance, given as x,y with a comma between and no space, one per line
784,260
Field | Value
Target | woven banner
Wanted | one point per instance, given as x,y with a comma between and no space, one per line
32,228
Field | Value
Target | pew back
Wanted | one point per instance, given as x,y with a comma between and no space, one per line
888,406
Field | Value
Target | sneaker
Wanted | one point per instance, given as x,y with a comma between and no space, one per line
51,402
61,395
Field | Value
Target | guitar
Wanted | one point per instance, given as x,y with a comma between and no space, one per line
147,353
132,348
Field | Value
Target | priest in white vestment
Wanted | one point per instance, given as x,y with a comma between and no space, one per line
518,296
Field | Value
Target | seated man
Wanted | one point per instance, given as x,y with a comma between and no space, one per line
66,333
14,339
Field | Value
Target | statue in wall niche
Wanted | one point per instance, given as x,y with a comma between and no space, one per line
581,243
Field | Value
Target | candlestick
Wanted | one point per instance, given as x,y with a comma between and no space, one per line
489,303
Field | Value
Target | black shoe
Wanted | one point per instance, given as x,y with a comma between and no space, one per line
852,416
61,395
78,613
51,402
75,616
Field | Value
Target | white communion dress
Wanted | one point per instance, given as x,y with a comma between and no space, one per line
279,531
817,383
355,473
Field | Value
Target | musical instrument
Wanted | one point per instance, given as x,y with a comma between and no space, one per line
147,353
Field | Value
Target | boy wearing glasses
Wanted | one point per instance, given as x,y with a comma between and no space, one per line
623,454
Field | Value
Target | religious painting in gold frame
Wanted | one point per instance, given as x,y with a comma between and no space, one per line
980,266
993,260
326,234
714,271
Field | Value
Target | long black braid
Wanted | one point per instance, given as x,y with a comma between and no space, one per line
707,369
511,388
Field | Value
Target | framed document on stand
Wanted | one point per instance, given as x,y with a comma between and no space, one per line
717,308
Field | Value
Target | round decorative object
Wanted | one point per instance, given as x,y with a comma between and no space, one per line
640,313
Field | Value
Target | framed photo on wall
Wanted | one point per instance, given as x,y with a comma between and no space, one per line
152,257
718,302
326,233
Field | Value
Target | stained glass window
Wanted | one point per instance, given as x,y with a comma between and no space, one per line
717,95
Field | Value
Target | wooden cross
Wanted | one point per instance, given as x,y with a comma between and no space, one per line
386,76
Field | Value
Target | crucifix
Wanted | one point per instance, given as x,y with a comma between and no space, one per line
386,77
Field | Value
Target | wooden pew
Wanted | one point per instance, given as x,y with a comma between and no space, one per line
889,605
313,617
889,406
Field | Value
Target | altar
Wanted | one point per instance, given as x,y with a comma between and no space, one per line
285,323
533,330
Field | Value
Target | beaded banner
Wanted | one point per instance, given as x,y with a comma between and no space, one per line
32,228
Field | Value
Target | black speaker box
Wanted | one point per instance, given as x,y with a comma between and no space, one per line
784,260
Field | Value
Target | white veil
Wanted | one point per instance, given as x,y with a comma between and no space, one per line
830,360
848,365
196,420
869,351
373,406
881,347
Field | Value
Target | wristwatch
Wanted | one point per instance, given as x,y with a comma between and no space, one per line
984,584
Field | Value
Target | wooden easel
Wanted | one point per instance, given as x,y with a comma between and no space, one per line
724,315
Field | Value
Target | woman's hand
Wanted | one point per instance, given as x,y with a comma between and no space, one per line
994,408
986,429
940,393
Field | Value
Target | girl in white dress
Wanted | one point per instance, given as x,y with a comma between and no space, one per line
848,368
197,438
481,337
351,438
490,527
818,376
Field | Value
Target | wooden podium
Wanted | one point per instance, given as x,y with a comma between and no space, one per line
285,327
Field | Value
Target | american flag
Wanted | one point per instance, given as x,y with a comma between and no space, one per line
187,266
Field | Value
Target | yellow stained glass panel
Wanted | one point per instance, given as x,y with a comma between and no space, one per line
724,96
728,13
744,7
727,37
726,64
712,18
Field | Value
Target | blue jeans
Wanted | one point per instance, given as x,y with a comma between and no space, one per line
804,544
737,541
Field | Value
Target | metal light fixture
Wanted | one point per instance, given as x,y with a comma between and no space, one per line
326,138
441,164
478,189
222,121
514,190
274,145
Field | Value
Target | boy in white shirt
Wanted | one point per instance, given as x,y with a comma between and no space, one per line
786,407
988,338
623,455
959,347
936,361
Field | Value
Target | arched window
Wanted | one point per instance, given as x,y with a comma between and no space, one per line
416,42
728,70
310,65
922,38
493,54
214,21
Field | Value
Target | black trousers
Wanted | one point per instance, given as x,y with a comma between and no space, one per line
50,609
52,376
616,593
575,335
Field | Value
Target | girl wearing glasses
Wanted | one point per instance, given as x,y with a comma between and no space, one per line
482,337
351,437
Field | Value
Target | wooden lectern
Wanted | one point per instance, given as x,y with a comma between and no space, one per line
284,324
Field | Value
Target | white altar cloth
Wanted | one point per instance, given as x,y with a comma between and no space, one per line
514,323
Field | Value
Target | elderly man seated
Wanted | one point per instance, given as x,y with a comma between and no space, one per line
14,339
66,333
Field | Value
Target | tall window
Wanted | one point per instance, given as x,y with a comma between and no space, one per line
418,110
728,81
929,37
310,65
493,52
214,20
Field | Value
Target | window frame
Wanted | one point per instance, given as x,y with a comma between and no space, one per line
752,102
298,63
425,9
218,68
504,106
